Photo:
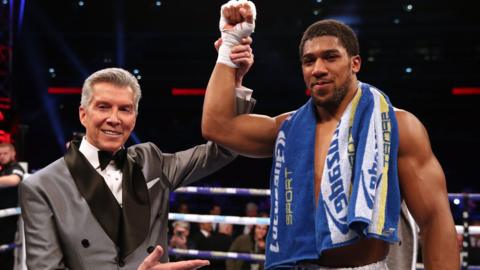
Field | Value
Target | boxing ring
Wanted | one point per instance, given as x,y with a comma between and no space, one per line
466,230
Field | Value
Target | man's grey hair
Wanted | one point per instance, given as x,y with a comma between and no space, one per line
115,76
181,224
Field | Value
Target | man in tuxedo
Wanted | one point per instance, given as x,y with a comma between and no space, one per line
104,206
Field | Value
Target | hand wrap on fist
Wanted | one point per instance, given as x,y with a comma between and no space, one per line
232,36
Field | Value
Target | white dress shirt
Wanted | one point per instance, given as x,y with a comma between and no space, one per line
111,175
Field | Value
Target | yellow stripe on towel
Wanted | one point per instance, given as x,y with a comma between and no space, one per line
386,130
351,143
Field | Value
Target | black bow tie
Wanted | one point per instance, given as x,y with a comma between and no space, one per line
104,157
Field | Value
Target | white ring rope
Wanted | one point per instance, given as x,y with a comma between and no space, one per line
219,219
10,212
224,191
216,254
473,230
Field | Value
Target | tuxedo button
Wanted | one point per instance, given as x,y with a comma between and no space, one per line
150,249
121,263
85,243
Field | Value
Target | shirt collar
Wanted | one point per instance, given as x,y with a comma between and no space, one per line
90,152
205,233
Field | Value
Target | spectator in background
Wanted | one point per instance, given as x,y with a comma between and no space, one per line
251,210
11,173
183,208
180,239
180,207
216,210
222,240
254,242
224,237
203,237
76,137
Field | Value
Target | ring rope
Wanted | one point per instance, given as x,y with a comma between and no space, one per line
473,230
266,192
472,196
420,266
7,247
219,219
216,254
224,191
10,212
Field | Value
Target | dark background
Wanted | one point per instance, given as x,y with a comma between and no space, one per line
171,44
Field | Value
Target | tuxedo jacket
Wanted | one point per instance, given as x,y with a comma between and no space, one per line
72,220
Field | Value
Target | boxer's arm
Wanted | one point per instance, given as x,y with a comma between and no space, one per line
248,134
423,186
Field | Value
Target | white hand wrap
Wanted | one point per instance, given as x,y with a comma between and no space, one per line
243,92
232,37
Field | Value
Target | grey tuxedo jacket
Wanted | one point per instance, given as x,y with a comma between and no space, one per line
70,224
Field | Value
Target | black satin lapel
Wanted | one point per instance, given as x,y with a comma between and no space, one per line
93,188
136,208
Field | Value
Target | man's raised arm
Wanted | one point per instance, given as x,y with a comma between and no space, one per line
246,134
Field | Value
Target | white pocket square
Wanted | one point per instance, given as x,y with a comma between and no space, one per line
151,183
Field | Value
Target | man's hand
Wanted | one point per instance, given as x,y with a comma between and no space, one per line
239,17
242,56
237,21
151,262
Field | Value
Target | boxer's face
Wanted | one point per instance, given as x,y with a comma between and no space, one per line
109,117
328,70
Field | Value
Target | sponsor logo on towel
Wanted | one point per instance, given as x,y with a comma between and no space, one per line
279,161
288,198
370,187
337,191
386,129
340,223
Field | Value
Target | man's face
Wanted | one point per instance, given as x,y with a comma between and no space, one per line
183,208
6,155
206,226
109,117
216,210
181,231
328,71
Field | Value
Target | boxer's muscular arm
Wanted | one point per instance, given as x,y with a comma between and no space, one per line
249,134
423,187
